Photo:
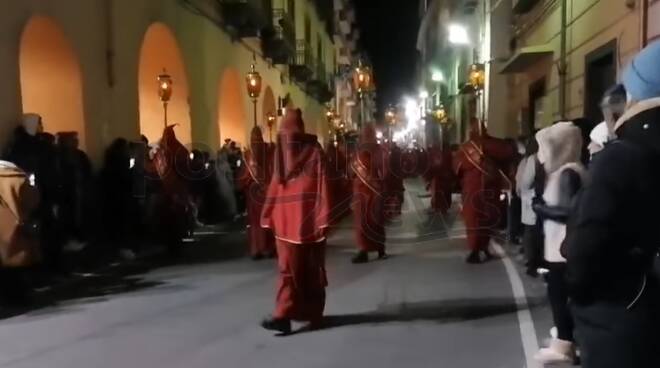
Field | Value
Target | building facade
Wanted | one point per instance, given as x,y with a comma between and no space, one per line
92,66
544,60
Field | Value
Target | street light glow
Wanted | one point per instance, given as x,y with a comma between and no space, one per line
424,94
437,76
458,34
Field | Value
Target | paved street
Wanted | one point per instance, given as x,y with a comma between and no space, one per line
424,307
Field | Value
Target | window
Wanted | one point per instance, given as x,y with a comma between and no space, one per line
536,109
600,74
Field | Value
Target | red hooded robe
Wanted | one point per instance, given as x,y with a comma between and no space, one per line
174,211
370,168
440,178
297,210
477,165
253,181
395,187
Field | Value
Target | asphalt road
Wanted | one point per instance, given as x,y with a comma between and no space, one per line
423,307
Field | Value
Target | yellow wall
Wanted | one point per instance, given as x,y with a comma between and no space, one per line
591,24
98,28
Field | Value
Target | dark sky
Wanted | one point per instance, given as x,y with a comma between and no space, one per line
389,35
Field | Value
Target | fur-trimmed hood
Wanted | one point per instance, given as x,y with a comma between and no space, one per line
559,144
640,125
636,109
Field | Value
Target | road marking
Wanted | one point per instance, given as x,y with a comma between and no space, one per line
525,321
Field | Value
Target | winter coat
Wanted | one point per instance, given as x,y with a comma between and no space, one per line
560,147
615,237
19,245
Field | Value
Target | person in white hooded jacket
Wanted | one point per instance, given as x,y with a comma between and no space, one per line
560,150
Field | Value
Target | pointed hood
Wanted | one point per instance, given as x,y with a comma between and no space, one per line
294,147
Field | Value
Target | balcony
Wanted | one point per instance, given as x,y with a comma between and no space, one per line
279,40
246,18
321,84
302,66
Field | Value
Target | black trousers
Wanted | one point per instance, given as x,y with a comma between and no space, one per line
611,335
558,296
515,227
533,246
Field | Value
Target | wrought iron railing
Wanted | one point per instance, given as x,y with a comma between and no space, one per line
304,56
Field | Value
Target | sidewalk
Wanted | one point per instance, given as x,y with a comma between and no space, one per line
99,270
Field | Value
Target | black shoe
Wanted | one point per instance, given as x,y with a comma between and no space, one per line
257,257
361,257
382,255
282,326
473,258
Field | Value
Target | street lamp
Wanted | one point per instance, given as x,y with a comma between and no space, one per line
477,77
390,117
253,82
165,91
270,120
362,83
440,114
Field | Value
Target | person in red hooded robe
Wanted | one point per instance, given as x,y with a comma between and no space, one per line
440,177
174,212
253,181
395,187
338,182
297,211
370,168
477,165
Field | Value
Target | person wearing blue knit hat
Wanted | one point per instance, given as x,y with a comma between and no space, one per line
612,237
642,77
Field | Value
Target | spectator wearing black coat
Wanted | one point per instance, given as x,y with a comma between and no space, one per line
613,238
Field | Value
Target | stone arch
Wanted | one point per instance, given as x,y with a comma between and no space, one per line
160,51
51,77
232,120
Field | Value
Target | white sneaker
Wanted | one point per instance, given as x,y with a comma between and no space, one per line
127,254
559,351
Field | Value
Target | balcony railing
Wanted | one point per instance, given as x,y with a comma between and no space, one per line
320,86
304,54
303,65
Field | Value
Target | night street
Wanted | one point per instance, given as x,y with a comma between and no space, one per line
424,307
